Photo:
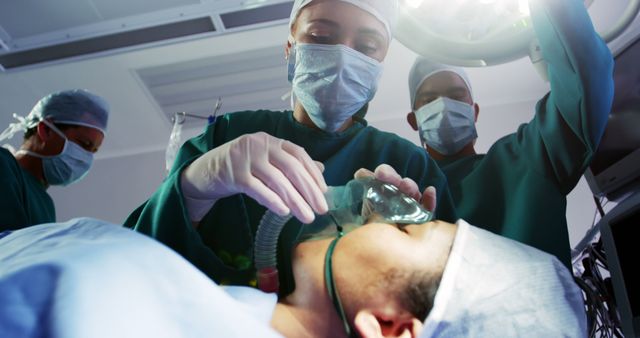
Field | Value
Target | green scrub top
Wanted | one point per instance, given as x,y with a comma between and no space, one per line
222,246
23,199
518,189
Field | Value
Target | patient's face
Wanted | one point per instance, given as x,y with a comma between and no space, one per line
374,265
381,247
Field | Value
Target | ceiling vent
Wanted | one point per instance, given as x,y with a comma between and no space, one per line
108,42
251,80
95,27
257,15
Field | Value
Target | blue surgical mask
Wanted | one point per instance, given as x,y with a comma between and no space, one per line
446,125
332,82
69,166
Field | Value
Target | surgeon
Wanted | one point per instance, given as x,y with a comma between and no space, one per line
518,188
433,279
224,180
61,134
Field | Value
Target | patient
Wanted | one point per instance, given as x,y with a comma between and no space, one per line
88,278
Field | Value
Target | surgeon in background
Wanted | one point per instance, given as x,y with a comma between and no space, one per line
223,181
518,189
62,132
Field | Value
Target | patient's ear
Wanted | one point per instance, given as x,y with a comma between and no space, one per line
376,325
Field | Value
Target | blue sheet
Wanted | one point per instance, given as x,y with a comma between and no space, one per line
88,278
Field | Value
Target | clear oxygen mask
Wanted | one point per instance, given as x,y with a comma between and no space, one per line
362,201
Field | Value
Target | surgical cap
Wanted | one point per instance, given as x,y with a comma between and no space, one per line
424,68
75,107
495,287
383,10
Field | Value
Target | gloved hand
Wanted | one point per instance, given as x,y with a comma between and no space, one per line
386,173
276,173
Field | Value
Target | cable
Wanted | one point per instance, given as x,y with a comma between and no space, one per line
591,233
593,278
599,206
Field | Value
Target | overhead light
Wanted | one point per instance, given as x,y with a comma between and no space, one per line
414,3
478,32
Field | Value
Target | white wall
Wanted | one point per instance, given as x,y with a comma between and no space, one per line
113,188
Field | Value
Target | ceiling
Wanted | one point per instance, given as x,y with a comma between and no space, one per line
62,21
237,55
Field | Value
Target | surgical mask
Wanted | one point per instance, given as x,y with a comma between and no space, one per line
332,82
69,166
446,125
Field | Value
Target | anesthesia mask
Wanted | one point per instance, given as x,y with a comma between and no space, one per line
362,201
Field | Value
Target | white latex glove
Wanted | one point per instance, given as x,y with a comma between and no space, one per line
276,173
386,173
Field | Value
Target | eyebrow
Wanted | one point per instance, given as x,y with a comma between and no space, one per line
327,22
335,25
456,90
371,31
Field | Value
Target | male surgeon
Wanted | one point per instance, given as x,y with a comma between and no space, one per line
518,188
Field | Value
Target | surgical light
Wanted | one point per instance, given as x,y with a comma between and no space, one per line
476,33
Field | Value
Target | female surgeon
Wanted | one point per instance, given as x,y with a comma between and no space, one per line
209,206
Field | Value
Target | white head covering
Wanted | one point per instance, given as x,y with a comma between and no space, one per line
76,107
496,287
383,10
424,68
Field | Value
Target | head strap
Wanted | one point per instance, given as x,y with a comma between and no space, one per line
331,287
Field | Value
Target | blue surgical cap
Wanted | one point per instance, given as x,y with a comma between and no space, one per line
75,107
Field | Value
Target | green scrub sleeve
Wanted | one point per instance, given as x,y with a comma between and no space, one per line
23,199
164,217
12,212
571,119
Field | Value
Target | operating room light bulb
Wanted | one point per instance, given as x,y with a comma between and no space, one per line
414,3
475,33
470,20
523,7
